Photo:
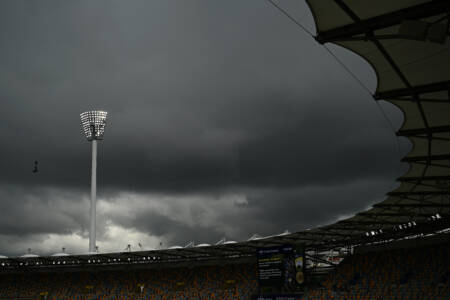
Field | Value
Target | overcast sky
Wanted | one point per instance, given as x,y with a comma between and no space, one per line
225,120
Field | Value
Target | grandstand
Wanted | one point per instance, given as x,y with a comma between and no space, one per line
236,281
398,249
409,269
405,273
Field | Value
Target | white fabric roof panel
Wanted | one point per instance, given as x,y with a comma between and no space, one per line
413,74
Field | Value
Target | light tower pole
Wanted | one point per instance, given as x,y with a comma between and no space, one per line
93,123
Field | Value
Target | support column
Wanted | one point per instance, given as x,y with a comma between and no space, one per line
92,232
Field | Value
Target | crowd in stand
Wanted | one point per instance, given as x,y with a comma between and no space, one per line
403,274
209,282
406,274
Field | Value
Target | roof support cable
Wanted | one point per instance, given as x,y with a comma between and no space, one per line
406,197
446,17
420,11
341,63
436,186
432,164
443,86
421,202
417,100
434,138
358,20
427,163
370,35
284,12
429,142
440,204
428,100
391,61
422,114
421,158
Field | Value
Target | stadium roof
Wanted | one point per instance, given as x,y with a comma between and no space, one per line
407,43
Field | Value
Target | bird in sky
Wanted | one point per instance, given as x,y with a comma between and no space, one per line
35,169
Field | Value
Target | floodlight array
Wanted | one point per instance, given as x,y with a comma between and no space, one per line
94,123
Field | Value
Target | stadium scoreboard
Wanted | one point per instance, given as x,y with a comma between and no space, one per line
280,269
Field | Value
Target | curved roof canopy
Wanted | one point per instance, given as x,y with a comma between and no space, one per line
29,255
407,43
61,254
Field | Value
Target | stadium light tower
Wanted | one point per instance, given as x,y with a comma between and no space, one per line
93,123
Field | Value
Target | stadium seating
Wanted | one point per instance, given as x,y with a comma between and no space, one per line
212,282
420,273
417,273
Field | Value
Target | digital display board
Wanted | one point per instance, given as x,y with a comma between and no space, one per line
271,265
280,269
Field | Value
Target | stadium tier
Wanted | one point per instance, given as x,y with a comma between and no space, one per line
420,273
398,272
209,282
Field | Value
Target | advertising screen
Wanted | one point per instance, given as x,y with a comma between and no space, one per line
280,269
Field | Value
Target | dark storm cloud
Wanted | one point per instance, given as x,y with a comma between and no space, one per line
207,218
205,98
28,211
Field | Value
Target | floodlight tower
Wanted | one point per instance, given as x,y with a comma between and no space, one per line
93,123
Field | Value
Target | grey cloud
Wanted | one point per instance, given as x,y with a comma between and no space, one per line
206,98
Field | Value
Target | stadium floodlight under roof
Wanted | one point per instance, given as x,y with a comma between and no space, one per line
94,123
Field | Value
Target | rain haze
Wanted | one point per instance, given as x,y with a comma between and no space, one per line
225,119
